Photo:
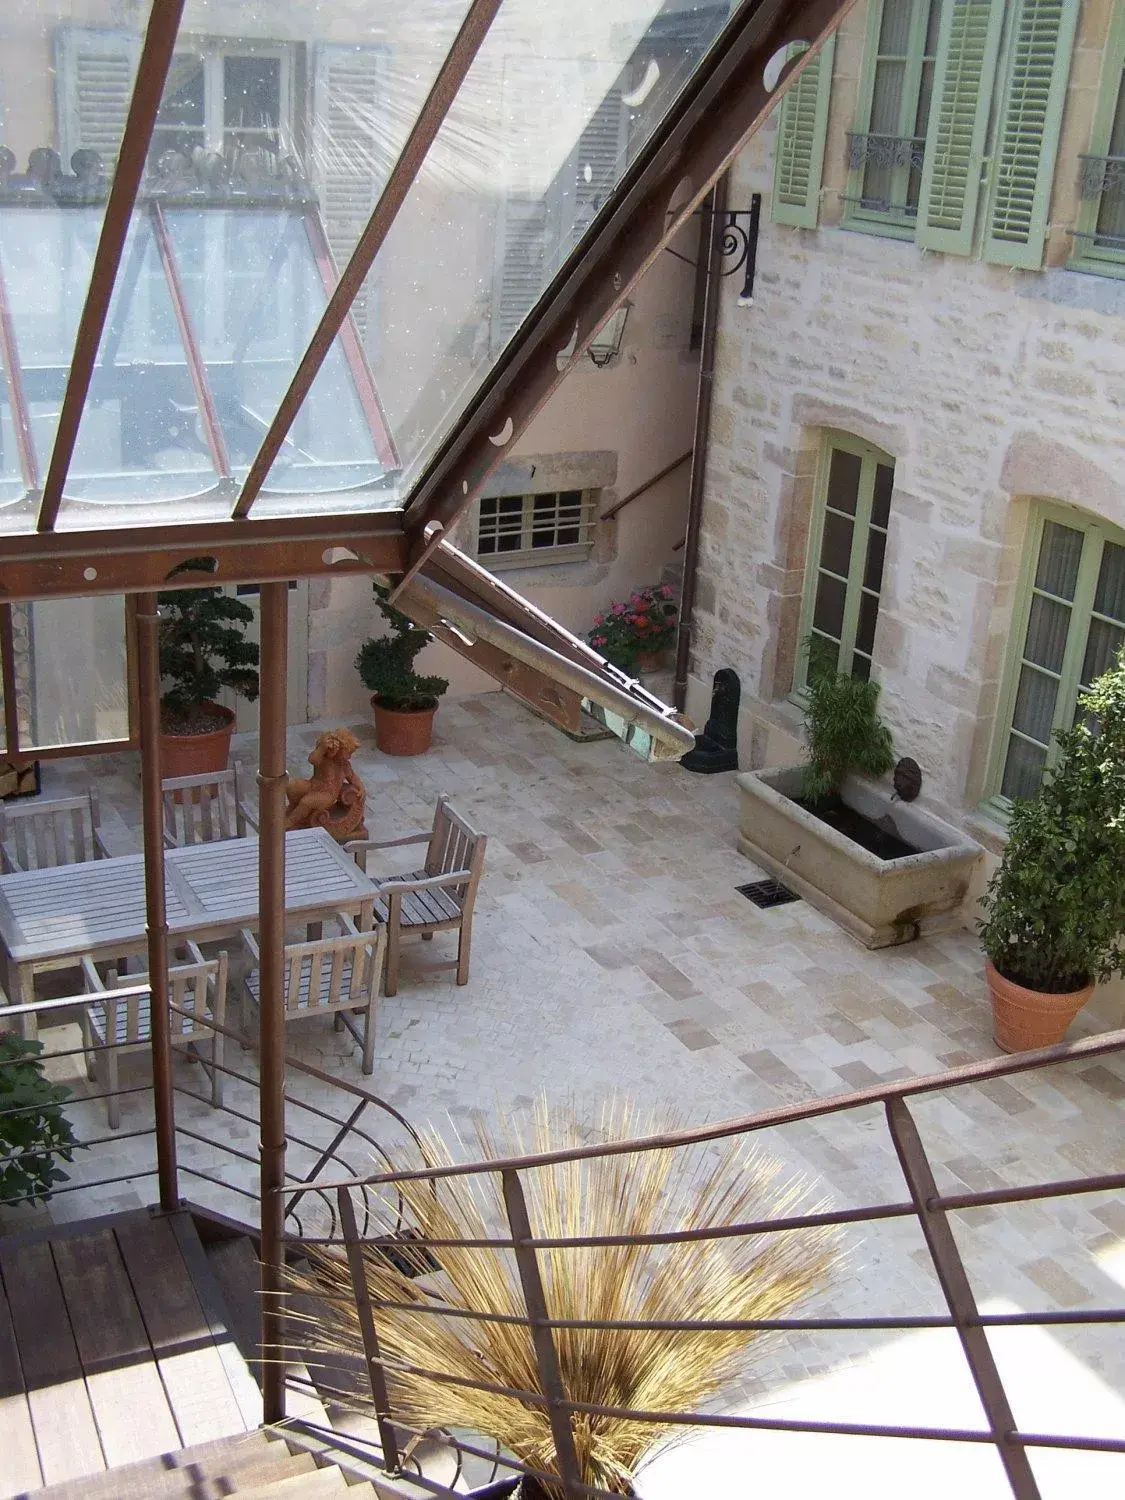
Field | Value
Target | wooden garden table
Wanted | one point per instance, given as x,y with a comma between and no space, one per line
50,918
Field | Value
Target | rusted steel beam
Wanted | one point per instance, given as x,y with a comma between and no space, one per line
13,375
353,349
372,1357
156,919
451,75
148,90
958,1293
719,109
272,777
542,1339
137,559
197,368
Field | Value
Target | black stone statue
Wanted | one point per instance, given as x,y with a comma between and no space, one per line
716,749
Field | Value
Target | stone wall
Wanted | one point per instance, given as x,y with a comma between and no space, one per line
988,386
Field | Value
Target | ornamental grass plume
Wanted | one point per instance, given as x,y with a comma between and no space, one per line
693,1187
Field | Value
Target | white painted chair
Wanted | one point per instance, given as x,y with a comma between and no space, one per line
205,809
42,835
329,976
112,1025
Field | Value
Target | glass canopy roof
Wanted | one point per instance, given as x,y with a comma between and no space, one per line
279,126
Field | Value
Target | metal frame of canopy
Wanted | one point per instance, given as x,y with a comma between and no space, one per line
716,112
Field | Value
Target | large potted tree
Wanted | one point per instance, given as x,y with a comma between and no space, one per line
203,649
1054,911
403,701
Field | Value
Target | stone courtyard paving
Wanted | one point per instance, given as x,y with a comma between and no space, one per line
612,955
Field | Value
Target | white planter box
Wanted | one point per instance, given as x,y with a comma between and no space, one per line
881,901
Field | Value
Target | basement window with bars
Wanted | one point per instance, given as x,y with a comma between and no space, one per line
527,530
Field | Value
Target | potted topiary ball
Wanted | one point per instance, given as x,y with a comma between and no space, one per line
403,702
1054,911
203,649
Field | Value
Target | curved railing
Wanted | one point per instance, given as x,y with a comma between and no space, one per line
349,1249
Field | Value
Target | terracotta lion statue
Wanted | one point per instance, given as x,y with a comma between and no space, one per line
333,797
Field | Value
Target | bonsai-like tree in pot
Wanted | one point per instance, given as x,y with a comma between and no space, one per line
1054,911
203,649
403,700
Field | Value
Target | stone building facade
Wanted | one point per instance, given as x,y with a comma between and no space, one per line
994,391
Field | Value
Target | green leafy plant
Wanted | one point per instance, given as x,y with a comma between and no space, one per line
1054,911
34,1132
646,622
203,649
843,728
386,663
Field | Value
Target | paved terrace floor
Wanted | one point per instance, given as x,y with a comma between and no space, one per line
612,954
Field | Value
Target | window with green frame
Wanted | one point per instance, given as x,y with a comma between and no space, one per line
1099,239
887,150
1068,626
847,546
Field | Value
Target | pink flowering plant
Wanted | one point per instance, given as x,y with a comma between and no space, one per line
644,624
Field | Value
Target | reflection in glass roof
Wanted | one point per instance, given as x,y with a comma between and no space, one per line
279,125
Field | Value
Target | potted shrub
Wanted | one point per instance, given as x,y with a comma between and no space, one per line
203,649
403,702
37,1134
1054,911
636,634
884,869
719,1280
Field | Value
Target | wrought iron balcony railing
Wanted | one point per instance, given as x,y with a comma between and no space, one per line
1100,175
885,151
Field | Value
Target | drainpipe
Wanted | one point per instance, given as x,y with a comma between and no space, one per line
711,235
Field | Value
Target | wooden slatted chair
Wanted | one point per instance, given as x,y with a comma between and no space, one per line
437,898
198,987
329,976
42,835
205,809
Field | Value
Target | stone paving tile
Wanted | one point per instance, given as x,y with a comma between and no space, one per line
612,955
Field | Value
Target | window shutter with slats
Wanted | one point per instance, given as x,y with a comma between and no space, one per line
957,130
598,162
94,72
1027,136
348,132
799,154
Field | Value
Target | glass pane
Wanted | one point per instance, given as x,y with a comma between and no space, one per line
252,93
886,99
865,626
66,79
828,613
1023,770
1111,210
1110,596
876,551
843,481
861,666
836,545
1102,645
552,110
881,497
1060,554
894,27
71,681
1047,629
1035,705
180,123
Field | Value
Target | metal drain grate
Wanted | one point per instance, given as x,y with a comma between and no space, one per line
766,893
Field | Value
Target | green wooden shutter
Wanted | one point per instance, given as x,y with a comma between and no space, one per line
94,72
799,155
1028,134
956,132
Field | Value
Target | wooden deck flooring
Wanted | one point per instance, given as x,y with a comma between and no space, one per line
114,1347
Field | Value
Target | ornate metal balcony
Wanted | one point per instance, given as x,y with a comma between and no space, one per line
1102,174
885,150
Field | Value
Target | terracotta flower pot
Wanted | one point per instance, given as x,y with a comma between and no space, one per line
651,661
196,754
403,731
1023,1019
